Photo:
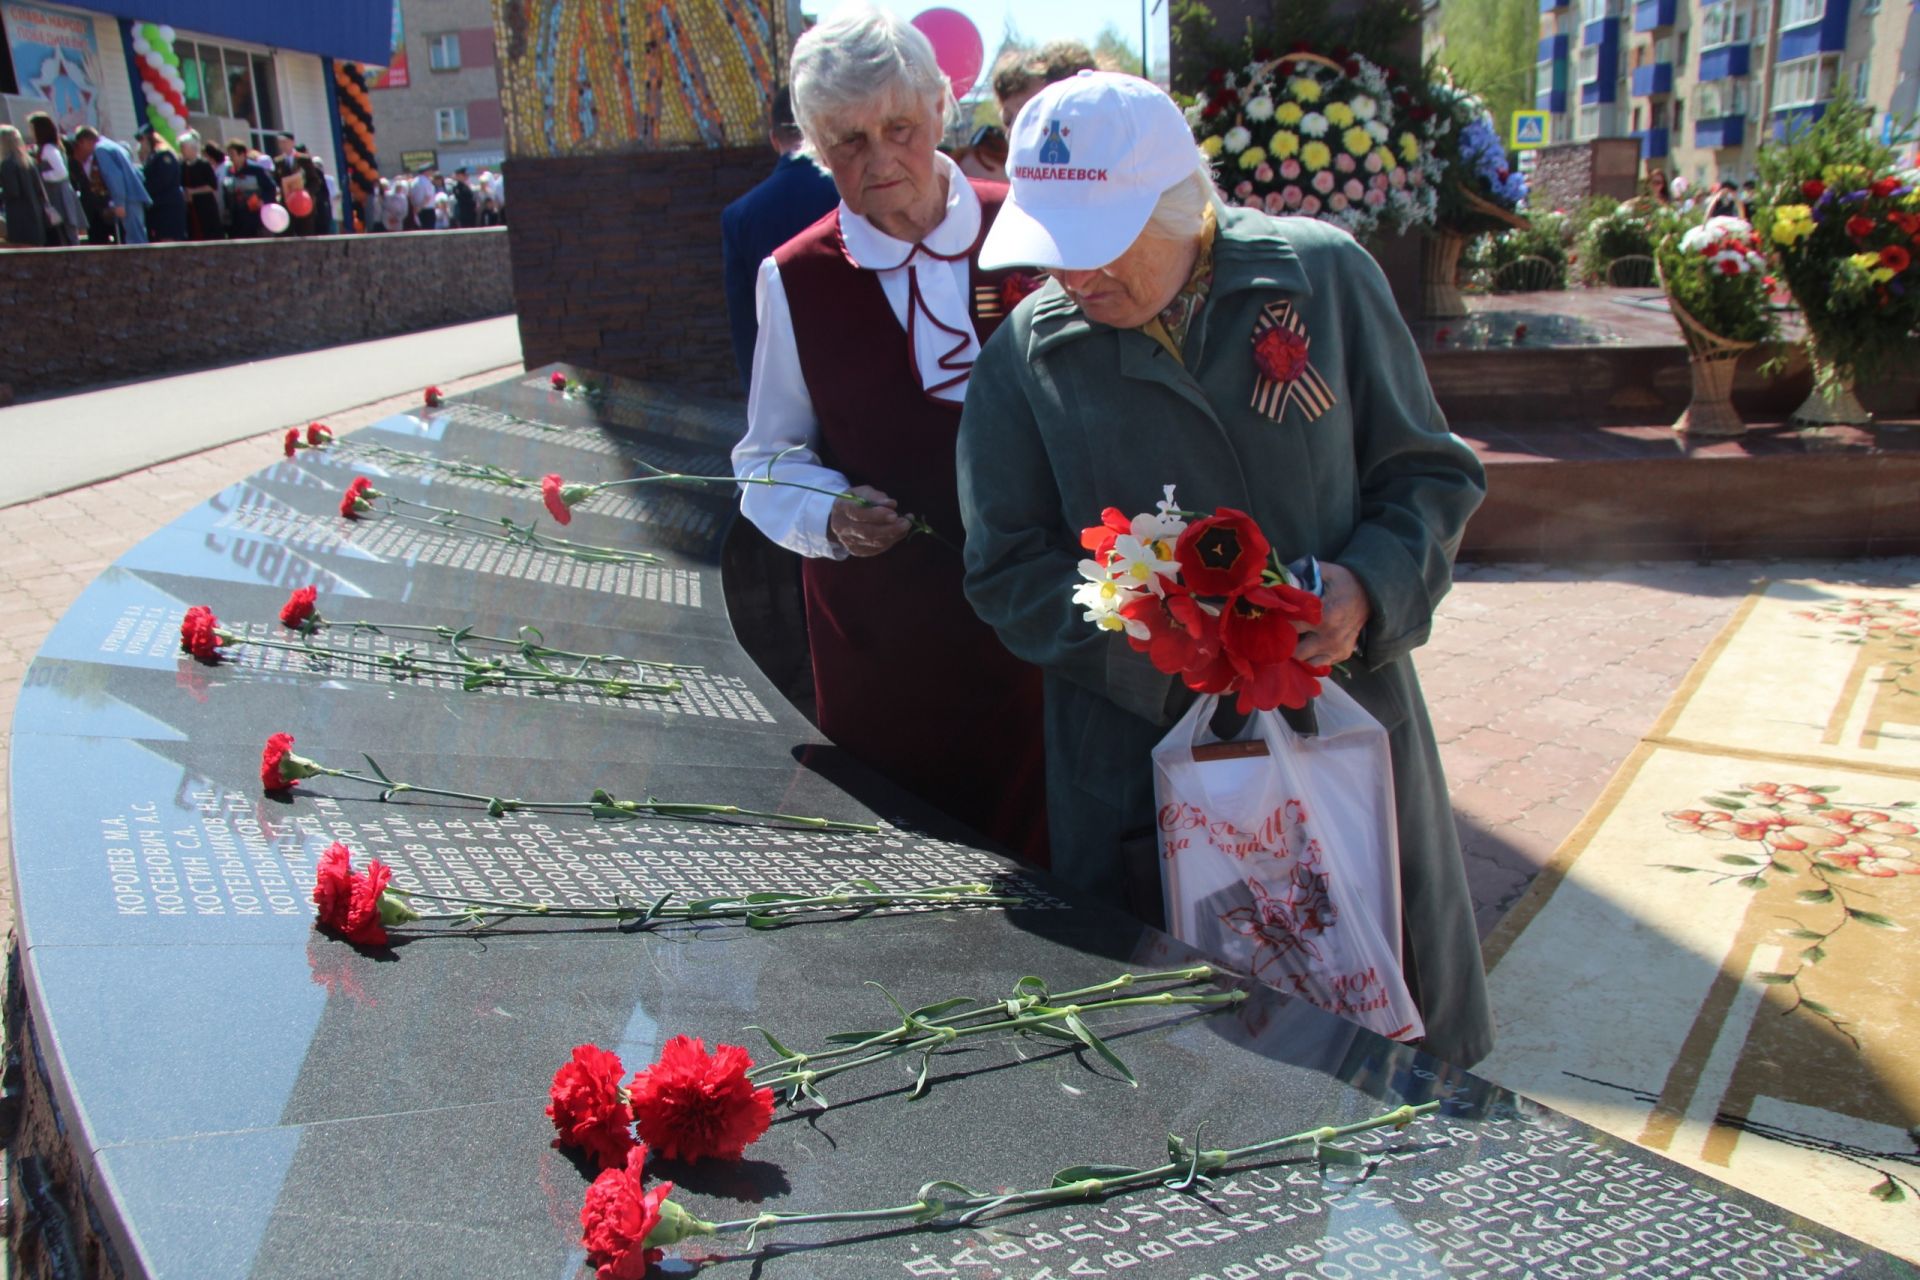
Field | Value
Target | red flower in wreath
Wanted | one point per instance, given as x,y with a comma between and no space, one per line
346,901
200,634
617,1217
589,1106
1895,258
1884,187
1222,554
1859,226
1280,354
298,612
1812,189
691,1105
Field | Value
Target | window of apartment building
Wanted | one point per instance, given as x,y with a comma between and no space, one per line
1723,24
1679,114
450,124
1663,49
1719,98
1635,127
1588,125
1860,81
1680,48
1802,82
1794,13
1589,64
1594,10
443,52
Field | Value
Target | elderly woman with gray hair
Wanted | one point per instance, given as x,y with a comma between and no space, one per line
869,323
1136,367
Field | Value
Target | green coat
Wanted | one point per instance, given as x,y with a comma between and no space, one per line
1065,416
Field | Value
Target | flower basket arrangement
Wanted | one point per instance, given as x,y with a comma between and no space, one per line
1715,277
1844,227
1315,136
1477,190
1624,231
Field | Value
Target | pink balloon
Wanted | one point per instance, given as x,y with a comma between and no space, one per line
299,204
956,46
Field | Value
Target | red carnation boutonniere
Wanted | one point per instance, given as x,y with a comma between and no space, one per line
1284,375
1016,287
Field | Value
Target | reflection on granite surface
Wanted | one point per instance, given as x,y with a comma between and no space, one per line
249,1098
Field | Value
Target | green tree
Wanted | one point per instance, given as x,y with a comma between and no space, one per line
1114,51
1491,46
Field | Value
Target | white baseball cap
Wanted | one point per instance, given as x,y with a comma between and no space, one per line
1087,162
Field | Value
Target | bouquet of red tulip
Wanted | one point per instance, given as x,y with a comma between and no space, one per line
1205,598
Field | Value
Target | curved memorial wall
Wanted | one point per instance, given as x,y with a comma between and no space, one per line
209,1087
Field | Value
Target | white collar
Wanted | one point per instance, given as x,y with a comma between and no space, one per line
874,250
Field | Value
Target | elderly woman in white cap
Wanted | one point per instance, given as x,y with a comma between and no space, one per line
1135,368
869,323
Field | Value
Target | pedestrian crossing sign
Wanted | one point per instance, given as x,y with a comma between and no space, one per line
1529,130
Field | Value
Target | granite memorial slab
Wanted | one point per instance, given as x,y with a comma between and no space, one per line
213,1088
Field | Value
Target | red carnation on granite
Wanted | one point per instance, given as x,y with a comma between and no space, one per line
358,498
292,441
1280,353
318,433
562,497
590,1108
433,397
200,634
280,768
690,1105
298,611
559,380
1223,554
617,1217
347,902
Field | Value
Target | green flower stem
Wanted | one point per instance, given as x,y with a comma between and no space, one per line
738,907
472,670
519,535
529,644
1011,1007
602,805
928,1207
1042,1016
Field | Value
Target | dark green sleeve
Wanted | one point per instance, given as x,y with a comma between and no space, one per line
1418,481
1022,553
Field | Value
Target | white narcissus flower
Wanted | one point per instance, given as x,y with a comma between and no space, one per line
1313,124
1260,108
1142,563
1103,598
1237,139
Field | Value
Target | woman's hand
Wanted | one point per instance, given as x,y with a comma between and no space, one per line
867,530
1343,615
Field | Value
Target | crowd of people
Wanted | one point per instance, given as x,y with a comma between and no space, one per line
999,362
1724,199
85,188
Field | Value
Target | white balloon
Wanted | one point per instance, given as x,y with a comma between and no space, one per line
154,60
166,34
274,218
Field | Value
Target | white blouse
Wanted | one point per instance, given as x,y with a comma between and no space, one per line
55,161
780,416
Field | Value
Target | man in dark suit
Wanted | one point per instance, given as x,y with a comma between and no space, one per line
794,197
292,163
466,210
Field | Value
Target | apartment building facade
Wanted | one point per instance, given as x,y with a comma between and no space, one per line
1703,84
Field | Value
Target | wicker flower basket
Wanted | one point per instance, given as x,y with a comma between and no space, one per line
1440,279
1833,403
1713,361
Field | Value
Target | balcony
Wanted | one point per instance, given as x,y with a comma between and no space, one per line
1788,121
1653,144
1721,131
1553,100
1554,49
1651,15
1724,62
1653,80
1825,34
1555,6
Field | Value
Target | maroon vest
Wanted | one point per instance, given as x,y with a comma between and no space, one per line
907,677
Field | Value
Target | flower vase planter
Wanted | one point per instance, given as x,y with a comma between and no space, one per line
1712,360
1832,402
1441,294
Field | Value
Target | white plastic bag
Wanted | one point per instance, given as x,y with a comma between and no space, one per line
1286,865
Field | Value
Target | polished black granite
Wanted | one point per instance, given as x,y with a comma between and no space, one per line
252,1098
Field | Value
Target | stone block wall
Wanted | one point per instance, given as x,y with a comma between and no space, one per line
616,261
1568,173
78,318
